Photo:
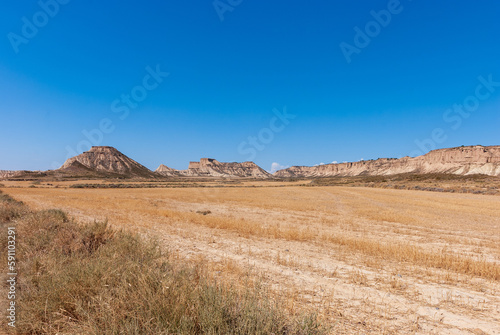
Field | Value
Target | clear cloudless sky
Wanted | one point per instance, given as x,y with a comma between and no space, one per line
227,76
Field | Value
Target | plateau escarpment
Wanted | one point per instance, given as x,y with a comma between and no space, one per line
460,161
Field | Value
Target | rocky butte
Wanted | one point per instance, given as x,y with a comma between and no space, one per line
467,160
209,167
106,160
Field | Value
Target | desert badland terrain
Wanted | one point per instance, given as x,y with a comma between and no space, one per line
367,247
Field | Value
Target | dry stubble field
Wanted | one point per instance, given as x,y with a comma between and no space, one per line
368,260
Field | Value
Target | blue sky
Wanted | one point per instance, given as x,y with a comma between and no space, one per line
265,81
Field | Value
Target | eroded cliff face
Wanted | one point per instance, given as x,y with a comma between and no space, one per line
214,168
166,171
8,173
461,160
107,160
104,161
209,167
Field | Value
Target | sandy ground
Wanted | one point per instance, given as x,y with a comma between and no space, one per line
326,249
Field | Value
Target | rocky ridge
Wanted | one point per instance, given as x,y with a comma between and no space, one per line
460,161
9,173
209,167
105,162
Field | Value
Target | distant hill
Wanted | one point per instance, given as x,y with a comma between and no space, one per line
9,173
209,167
166,171
460,161
105,160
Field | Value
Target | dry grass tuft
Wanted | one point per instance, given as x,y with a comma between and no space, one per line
404,252
10,209
91,279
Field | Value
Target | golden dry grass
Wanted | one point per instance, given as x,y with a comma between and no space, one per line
340,248
90,279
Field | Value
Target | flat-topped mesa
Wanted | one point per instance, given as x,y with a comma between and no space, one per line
210,167
107,159
208,161
102,148
461,161
204,162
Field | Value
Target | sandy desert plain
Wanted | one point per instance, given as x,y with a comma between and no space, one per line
367,260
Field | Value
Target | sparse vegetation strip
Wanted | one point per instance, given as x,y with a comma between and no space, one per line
91,279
